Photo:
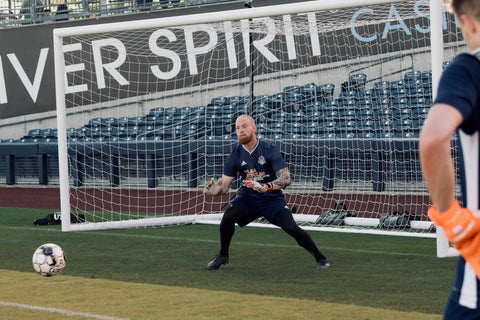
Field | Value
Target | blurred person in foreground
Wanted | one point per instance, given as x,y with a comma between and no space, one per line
264,176
457,108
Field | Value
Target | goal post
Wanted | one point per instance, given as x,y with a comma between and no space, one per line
146,110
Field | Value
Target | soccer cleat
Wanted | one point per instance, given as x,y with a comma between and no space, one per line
216,262
323,264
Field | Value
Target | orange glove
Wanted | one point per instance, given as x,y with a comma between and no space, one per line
462,229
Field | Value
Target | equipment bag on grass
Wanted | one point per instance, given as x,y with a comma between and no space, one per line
55,218
396,220
335,216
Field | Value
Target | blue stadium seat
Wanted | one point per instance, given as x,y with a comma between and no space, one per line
157,111
293,128
325,92
398,89
412,78
34,133
381,103
346,126
309,92
123,122
383,113
402,113
218,101
119,132
220,126
233,100
365,114
426,77
357,82
200,110
331,115
347,114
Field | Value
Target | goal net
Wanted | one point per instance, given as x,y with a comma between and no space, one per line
146,112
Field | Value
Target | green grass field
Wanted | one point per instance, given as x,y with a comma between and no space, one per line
269,276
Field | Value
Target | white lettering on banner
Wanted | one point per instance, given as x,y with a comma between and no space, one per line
97,45
230,43
313,30
32,87
260,45
3,89
287,22
73,68
245,27
169,54
192,51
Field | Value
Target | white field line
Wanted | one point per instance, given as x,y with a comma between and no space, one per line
254,244
60,311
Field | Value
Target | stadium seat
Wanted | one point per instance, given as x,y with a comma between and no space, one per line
365,114
34,133
356,82
347,114
398,90
119,132
293,128
309,92
325,92
233,100
402,113
345,126
218,101
363,103
200,110
383,113
331,115
158,111
412,78
381,103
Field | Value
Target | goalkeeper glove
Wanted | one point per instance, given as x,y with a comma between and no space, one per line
213,188
257,186
462,228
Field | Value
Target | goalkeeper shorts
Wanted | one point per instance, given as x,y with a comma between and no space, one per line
257,207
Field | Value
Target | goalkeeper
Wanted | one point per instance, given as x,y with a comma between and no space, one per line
264,174
457,108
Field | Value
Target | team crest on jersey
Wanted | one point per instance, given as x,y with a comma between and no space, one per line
261,160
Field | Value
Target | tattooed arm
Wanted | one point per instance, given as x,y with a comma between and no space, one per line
283,179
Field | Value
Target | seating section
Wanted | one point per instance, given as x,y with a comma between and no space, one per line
362,109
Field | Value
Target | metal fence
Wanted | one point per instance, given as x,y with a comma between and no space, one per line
25,12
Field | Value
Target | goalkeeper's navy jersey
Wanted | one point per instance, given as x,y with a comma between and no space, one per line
259,165
459,87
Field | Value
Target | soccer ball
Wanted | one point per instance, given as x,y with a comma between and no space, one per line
49,259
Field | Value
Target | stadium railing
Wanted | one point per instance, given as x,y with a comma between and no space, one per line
26,12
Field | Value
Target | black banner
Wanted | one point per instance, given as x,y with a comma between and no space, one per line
175,58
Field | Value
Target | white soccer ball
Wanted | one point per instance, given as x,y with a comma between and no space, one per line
49,259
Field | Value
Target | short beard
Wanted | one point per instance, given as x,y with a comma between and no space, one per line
245,140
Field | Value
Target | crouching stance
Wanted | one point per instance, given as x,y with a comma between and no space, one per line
264,174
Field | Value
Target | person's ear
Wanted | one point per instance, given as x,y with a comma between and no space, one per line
468,23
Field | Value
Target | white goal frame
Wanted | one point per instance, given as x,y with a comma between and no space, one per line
443,248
